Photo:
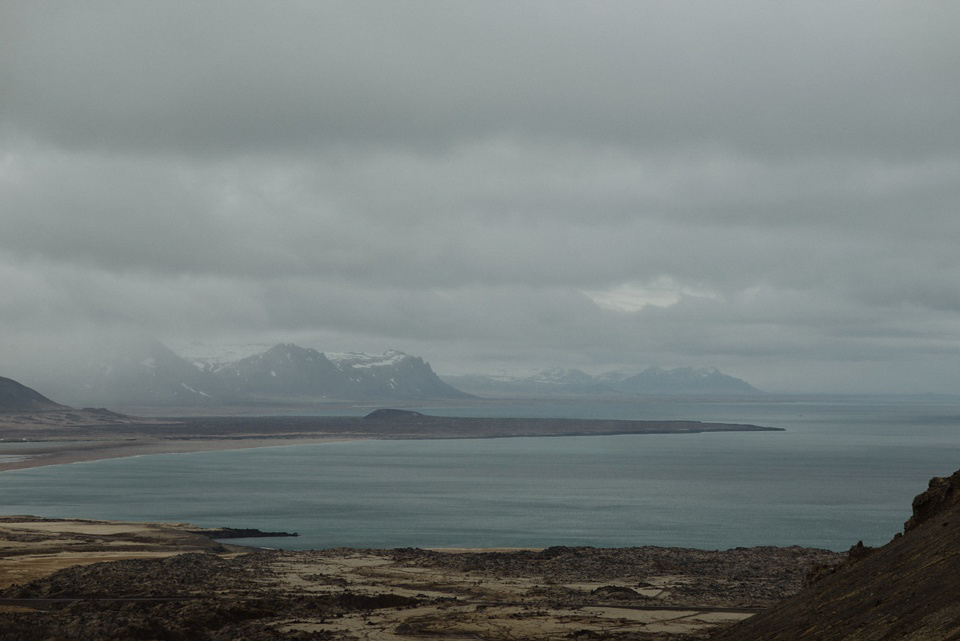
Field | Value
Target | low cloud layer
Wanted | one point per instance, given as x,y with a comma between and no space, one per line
769,189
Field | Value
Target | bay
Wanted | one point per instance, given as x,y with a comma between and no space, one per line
845,469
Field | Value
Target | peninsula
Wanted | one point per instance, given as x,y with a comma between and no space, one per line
67,436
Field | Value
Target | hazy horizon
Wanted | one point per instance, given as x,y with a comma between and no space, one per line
768,189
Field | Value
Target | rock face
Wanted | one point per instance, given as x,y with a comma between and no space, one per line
906,590
15,397
942,495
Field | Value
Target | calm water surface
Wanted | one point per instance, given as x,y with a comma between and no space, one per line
845,470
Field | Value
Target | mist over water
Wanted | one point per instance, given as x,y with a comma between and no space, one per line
845,470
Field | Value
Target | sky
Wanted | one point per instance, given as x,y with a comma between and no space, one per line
768,188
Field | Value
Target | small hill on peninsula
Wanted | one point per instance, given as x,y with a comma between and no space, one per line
15,397
907,590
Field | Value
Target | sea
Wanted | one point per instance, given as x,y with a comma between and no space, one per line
845,469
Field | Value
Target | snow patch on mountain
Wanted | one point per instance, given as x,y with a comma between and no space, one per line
213,356
360,360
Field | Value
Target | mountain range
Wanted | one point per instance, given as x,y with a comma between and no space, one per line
653,381
153,375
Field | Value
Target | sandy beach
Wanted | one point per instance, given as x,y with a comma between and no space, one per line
63,452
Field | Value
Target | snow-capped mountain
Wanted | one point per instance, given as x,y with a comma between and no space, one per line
212,357
556,382
394,374
285,370
153,375
290,371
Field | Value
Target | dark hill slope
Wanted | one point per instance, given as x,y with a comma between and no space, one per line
15,397
907,590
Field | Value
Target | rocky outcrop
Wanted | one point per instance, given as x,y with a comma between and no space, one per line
943,494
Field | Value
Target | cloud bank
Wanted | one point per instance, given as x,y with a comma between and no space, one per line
769,189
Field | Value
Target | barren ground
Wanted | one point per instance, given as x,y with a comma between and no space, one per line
167,577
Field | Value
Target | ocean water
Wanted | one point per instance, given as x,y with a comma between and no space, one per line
845,469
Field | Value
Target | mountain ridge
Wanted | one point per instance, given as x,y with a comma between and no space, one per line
561,382
153,375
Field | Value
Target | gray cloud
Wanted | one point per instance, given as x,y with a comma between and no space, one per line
765,188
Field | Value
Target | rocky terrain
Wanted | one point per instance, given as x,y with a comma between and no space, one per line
167,581
907,590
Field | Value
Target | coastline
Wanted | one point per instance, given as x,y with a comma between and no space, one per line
80,436
67,452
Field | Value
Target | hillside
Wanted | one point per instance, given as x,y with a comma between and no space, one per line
15,397
907,590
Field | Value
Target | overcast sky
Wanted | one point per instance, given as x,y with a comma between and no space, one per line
769,188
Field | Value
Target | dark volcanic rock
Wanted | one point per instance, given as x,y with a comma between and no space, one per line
942,494
743,577
190,597
618,592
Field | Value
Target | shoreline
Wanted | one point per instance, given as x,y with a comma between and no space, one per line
92,451
81,436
